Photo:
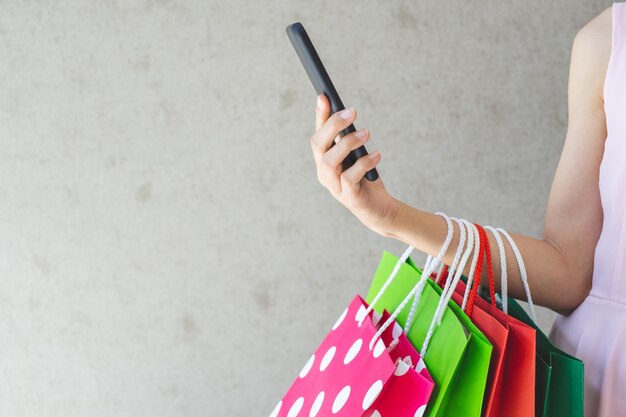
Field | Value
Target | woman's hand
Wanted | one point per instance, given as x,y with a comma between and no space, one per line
368,201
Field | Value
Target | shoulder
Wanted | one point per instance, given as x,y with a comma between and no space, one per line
596,34
591,51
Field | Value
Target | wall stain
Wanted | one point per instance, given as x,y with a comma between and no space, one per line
42,264
405,18
144,193
287,98
262,298
190,328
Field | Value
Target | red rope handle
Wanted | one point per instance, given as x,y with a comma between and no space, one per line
492,287
477,272
484,251
444,276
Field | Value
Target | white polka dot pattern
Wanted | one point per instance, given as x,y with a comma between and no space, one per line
341,399
330,354
376,318
296,407
317,404
397,331
354,350
420,365
276,409
360,314
307,367
372,394
379,348
340,319
344,378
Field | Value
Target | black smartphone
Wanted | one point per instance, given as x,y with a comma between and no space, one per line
323,85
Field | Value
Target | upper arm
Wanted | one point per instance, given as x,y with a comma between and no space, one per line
574,214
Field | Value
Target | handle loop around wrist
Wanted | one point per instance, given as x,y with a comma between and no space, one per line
417,289
451,283
523,274
486,250
503,271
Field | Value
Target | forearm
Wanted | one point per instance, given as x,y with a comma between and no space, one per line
553,280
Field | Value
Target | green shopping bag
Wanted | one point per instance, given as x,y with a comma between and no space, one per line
560,376
459,354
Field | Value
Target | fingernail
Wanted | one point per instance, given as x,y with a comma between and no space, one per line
374,155
346,114
319,102
360,134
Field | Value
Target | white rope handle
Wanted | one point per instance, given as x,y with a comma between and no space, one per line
418,288
523,275
459,254
430,266
451,283
503,273
470,278
459,273
439,273
401,261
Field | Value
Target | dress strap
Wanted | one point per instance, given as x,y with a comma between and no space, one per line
616,72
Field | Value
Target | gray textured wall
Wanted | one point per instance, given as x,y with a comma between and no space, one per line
165,248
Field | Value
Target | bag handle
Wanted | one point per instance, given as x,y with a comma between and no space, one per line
523,275
486,250
451,283
457,257
445,271
470,277
391,277
458,273
503,263
418,288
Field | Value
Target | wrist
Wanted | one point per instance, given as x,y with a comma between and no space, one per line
393,226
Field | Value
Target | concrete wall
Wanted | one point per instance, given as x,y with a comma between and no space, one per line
165,247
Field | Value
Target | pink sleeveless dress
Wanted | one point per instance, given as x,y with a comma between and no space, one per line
596,331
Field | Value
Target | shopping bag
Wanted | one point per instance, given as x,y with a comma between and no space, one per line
477,363
494,330
413,390
559,387
352,373
560,376
517,370
512,374
458,355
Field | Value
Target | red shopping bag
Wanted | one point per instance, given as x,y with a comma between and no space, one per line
494,330
351,374
514,378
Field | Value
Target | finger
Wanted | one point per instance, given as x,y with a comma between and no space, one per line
322,111
324,137
335,155
351,177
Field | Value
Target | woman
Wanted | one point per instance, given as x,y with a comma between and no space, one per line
578,268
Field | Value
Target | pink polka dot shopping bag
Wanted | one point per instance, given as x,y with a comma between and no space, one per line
359,370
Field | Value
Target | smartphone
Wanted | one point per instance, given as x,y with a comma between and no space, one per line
323,85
